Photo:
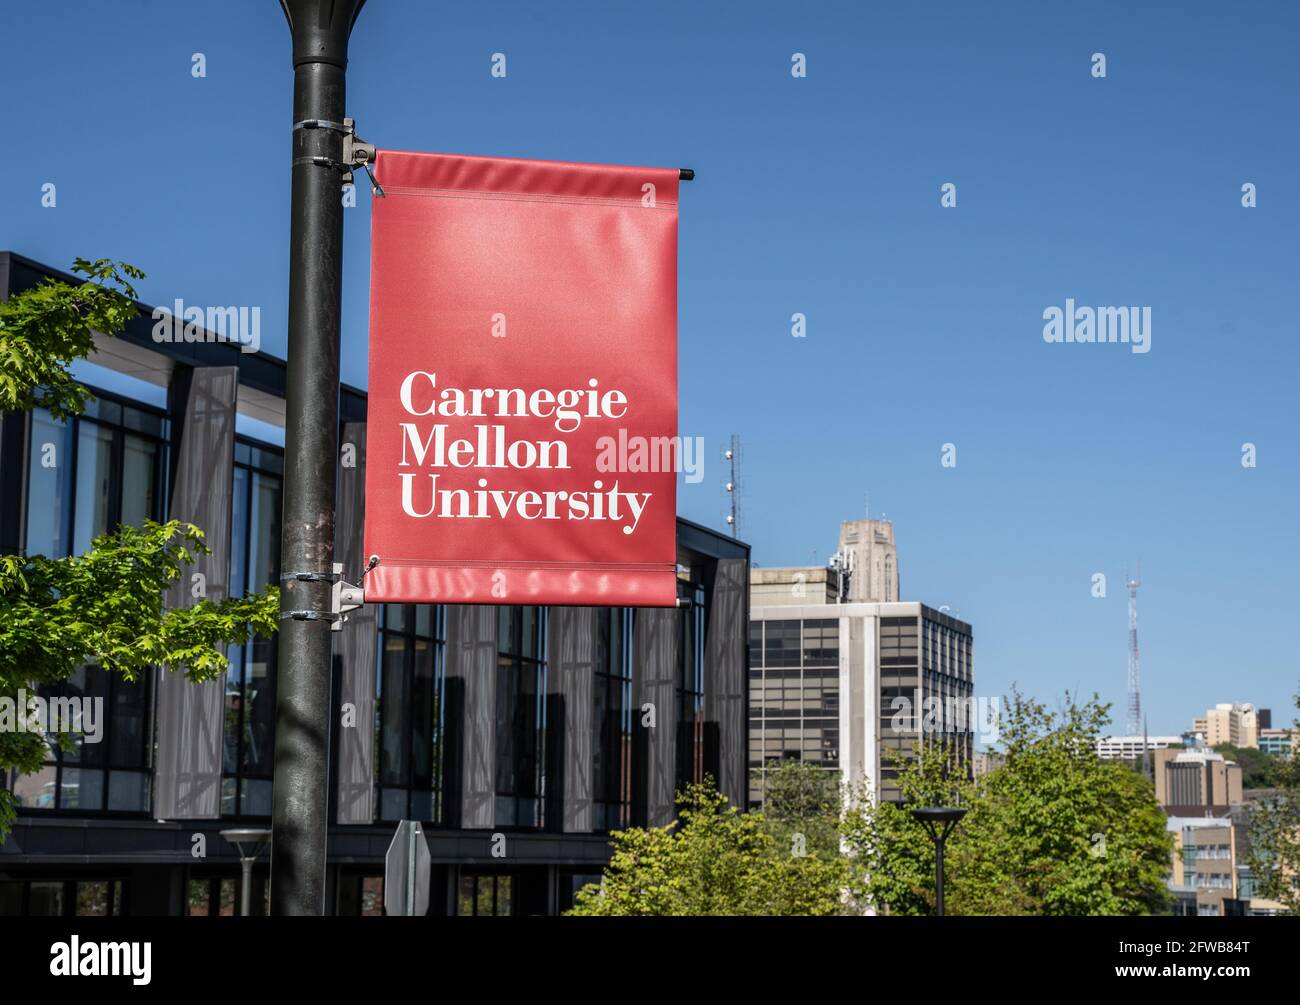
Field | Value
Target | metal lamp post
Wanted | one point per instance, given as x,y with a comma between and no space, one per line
938,822
249,842
299,818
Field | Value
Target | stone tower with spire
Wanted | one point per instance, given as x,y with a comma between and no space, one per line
874,578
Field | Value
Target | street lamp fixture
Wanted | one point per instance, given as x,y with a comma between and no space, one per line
938,822
249,842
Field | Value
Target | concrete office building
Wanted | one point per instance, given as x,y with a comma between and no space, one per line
1276,740
847,685
1210,875
1130,748
793,585
1196,782
1204,867
520,721
1235,724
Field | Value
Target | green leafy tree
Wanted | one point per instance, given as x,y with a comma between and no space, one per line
1259,768
712,860
1055,830
1274,833
104,608
43,331
894,855
802,805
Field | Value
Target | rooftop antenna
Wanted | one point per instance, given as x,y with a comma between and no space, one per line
1135,722
732,456
842,563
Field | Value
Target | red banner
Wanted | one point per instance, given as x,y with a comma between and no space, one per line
523,383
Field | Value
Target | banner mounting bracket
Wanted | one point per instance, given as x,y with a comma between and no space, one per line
344,598
356,152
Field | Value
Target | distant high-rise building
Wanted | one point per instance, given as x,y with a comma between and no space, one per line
1130,748
1191,782
1203,870
851,687
1276,740
1228,722
873,563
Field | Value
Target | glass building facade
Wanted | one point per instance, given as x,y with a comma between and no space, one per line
927,661
249,733
794,695
571,755
86,476
855,687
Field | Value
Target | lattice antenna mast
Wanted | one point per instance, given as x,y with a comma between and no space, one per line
732,455
1134,663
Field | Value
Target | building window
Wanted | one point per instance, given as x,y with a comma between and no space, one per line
900,678
111,774
486,894
690,686
114,455
63,898
612,720
249,733
92,473
411,701
520,716
361,895
218,896
794,709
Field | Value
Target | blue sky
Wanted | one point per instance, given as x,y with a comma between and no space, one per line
821,196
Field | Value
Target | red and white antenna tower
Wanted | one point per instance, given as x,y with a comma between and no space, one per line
1134,674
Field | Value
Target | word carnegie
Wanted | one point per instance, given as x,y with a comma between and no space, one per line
568,407
489,447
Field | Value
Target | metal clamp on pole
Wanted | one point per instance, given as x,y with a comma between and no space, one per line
356,152
344,598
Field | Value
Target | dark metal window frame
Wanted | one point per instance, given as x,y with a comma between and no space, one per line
689,685
119,895
614,676
437,640
475,875
115,682
240,666
536,665
119,429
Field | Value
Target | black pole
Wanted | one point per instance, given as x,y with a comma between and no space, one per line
938,822
938,876
299,822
